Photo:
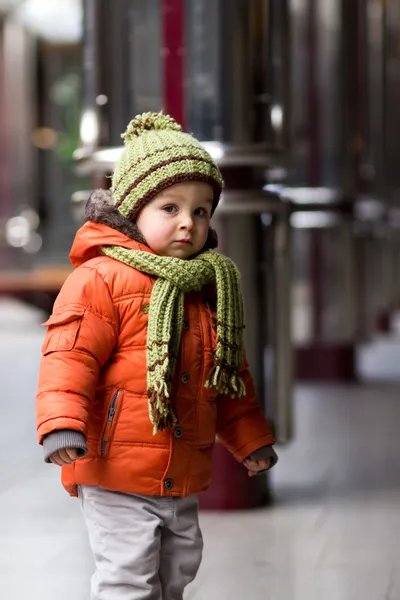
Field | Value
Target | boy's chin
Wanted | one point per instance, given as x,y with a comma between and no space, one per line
184,254
176,251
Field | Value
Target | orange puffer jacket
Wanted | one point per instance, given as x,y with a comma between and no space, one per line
93,380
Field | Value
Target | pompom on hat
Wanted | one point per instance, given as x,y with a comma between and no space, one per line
157,155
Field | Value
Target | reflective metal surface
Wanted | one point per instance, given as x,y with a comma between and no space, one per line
255,232
237,71
122,68
280,350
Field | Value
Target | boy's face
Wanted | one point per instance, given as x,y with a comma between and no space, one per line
176,222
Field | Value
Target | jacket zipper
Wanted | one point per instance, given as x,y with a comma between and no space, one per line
110,418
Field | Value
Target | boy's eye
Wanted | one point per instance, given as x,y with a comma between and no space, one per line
200,212
170,209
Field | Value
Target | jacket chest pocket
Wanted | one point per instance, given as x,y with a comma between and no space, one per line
112,414
63,330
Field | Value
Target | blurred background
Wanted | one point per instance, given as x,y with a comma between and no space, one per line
299,103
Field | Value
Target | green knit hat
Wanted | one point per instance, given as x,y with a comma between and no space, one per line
157,155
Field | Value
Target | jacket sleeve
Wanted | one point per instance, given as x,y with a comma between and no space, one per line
82,332
241,425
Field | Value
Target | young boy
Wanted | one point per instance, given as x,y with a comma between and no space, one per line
143,365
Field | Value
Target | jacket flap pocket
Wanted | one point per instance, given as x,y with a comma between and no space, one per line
65,316
62,331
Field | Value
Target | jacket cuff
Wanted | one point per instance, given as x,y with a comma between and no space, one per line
61,439
265,452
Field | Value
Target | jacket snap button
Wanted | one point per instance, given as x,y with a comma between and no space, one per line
178,432
185,377
185,324
168,484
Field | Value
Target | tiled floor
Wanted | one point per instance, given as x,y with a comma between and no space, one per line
333,534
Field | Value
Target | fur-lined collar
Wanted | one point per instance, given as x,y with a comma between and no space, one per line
100,209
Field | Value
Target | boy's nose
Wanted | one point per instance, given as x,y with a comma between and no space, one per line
187,222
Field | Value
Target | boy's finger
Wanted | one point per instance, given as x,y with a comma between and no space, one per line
55,459
64,456
72,453
257,465
250,464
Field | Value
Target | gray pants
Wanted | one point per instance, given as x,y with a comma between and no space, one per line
145,547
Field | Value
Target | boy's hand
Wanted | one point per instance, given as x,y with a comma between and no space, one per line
64,457
254,467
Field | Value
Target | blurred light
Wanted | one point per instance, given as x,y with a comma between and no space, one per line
34,243
57,21
89,129
214,149
277,116
31,216
81,197
44,138
368,208
276,174
108,155
304,195
313,219
274,188
102,100
18,232
266,219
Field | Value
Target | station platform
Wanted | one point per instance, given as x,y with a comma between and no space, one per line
333,532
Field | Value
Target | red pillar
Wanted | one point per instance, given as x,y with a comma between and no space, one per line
173,58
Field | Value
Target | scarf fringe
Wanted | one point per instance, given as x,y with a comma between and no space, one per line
161,412
226,381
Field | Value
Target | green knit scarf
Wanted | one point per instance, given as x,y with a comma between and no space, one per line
175,278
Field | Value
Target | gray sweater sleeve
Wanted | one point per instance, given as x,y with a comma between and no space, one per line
63,438
68,438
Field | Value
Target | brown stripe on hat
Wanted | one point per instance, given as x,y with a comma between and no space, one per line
155,168
140,160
